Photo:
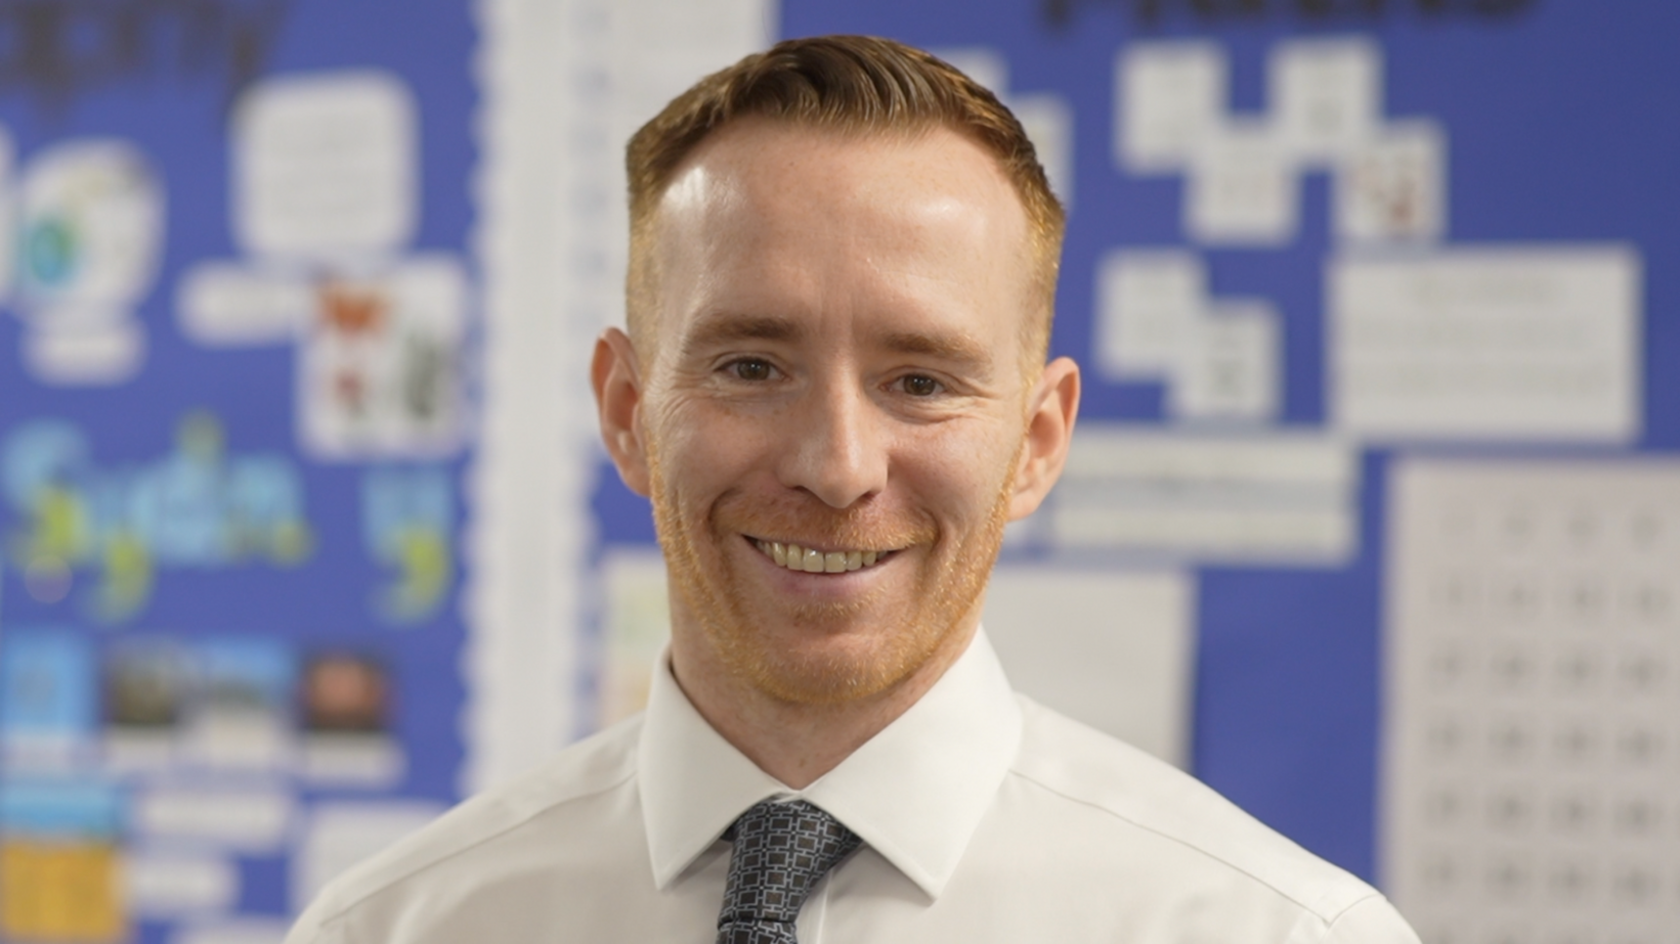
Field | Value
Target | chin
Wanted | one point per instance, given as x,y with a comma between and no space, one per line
828,674
822,663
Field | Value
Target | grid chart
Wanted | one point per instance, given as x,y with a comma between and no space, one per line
1532,779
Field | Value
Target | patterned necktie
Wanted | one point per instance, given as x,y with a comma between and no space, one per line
781,850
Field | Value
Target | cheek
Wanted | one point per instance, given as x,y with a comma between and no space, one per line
958,473
701,450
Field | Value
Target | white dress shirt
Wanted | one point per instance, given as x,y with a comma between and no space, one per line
985,817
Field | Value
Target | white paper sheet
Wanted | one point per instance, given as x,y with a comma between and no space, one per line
326,166
1169,97
1532,637
636,624
227,304
1231,368
1148,302
346,760
247,819
98,352
252,741
1518,342
172,883
1392,187
235,931
1244,188
338,835
1114,649
140,751
48,752
1325,95
1274,498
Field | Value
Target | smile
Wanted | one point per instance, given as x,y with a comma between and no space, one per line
810,561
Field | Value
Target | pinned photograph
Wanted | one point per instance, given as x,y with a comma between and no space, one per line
145,693
47,700
240,715
346,713
345,693
380,364
145,686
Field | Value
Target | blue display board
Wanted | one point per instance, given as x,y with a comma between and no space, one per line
233,413
1554,131
1309,242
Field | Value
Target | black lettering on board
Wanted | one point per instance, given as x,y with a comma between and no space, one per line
1151,13
60,49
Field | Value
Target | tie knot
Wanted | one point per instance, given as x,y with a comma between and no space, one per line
780,852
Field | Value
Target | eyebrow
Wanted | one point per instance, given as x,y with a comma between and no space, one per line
724,329
955,348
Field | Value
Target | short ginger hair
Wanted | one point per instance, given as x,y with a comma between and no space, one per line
846,84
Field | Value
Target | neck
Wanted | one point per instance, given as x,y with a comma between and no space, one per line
794,742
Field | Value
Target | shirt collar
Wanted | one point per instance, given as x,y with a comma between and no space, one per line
915,792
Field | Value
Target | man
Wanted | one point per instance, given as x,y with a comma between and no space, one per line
834,390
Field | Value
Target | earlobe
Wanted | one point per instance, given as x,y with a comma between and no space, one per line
615,375
1050,420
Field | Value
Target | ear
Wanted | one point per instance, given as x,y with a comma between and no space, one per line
1050,417
615,373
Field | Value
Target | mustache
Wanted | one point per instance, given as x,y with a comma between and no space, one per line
808,520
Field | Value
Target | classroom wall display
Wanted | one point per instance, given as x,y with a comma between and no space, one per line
237,309
305,532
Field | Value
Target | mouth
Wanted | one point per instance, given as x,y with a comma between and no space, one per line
812,561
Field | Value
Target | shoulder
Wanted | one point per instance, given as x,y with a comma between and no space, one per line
590,768
1207,838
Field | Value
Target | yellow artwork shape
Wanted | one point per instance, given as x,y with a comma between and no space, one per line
60,892
423,558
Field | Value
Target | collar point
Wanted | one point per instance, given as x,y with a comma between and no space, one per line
932,886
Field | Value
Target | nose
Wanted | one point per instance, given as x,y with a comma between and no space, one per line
837,445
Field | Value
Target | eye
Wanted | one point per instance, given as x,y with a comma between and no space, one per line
751,368
920,385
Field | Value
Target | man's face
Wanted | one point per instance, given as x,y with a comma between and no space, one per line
834,407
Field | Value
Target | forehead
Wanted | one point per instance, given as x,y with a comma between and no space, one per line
772,167
773,216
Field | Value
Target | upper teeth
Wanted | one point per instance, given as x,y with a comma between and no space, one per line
794,557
